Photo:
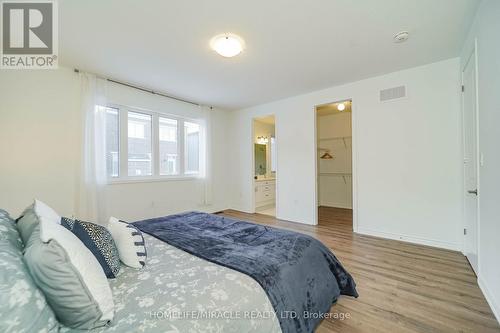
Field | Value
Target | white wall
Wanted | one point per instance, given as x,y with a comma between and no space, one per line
38,138
485,28
408,155
40,148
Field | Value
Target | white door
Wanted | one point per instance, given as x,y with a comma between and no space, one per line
470,162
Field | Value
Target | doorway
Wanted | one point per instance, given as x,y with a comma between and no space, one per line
334,164
471,166
264,165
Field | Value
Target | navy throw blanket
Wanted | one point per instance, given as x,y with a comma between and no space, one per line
301,276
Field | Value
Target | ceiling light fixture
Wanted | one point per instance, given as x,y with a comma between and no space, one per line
341,107
401,37
227,45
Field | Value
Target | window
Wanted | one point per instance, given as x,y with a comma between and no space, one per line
139,144
143,145
168,130
192,147
168,147
112,141
136,129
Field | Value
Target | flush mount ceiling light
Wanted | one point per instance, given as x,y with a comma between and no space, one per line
341,107
227,45
401,37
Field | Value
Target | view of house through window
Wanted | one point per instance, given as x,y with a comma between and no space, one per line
192,147
112,142
155,144
168,147
139,144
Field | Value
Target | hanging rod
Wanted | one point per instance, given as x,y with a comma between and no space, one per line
76,70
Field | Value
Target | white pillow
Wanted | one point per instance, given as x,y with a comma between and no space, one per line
43,210
84,262
129,241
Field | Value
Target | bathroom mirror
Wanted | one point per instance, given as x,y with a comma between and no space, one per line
260,159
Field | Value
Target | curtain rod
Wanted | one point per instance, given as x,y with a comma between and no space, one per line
76,70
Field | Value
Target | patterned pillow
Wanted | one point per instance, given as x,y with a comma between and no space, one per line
129,241
99,241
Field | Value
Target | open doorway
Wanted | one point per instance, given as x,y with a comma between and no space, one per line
334,164
264,165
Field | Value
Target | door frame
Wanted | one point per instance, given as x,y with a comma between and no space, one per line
472,54
354,161
255,117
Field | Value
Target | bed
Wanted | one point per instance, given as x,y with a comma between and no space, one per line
204,273
301,277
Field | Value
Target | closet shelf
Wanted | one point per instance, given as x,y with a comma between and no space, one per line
335,138
335,174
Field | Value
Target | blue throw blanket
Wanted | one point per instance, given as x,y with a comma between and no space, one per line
301,276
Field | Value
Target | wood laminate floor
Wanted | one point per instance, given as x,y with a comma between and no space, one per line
403,287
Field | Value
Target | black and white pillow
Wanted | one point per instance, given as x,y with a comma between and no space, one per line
129,241
99,241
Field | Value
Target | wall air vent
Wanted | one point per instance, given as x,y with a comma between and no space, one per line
392,93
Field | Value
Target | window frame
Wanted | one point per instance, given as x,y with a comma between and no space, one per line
155,176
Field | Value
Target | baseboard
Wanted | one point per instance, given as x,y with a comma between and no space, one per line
490,298
410,239
264,207
213,210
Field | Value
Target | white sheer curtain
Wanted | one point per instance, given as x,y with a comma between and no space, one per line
206,155
90,203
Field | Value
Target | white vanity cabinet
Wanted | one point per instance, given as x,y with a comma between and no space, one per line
265,192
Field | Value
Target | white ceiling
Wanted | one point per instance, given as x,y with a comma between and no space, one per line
292,47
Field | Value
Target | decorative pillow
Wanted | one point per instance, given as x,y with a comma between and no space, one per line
43,210
129,241
29,219
99,241
26,223
8,232
70,276
23,307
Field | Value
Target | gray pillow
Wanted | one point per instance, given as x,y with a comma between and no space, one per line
23,307
30,218
9,235
27,223
62,284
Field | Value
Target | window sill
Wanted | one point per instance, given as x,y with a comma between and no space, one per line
152,179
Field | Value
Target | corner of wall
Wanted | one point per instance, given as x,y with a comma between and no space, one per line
490,298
